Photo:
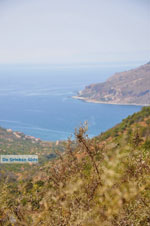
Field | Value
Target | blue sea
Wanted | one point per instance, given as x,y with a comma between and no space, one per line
37,100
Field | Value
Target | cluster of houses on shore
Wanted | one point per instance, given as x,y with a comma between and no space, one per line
23,136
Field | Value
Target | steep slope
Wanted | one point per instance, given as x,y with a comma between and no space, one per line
129,87
101,181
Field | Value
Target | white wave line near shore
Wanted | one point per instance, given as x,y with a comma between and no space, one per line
43,129
14,122
33,128
10,121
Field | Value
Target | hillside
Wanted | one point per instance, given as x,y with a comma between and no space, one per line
129,87
100,181
17,143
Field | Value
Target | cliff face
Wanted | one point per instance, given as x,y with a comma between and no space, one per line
129,87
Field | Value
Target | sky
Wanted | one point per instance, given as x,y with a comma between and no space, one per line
74,31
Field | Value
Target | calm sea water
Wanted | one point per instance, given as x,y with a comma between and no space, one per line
37,100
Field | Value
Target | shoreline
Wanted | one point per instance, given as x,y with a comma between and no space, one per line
104,102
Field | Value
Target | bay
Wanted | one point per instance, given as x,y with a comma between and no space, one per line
37,100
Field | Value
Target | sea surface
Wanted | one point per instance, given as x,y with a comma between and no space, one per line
37,100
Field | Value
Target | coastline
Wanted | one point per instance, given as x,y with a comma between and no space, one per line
105,102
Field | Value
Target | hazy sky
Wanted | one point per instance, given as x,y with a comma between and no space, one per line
74,31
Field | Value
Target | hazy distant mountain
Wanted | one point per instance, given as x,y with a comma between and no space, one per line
129,87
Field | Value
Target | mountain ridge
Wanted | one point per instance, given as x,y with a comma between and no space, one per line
130,87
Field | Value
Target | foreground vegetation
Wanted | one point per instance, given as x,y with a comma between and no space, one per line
99,181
